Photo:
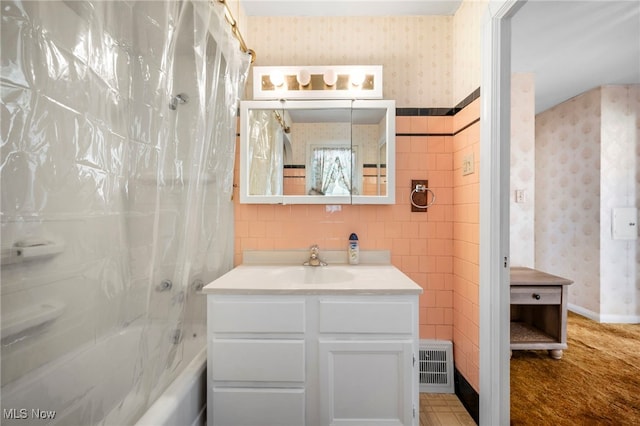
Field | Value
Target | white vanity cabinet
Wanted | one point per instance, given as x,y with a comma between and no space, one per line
312,359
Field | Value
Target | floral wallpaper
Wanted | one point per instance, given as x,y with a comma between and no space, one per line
467,42
522,169
365,137
619,187
415,51
586,161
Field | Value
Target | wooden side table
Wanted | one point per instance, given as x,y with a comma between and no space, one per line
538,311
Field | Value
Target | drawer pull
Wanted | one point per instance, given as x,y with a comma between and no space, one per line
536,296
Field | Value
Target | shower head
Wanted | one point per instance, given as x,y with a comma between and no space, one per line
180,98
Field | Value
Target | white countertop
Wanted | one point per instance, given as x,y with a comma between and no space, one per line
296,279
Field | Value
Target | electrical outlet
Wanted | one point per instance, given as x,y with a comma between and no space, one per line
520,196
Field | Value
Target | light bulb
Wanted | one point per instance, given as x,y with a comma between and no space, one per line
277,78
357,77
303,77
330,77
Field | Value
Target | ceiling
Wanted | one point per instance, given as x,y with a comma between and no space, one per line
575,46
349,7
571,46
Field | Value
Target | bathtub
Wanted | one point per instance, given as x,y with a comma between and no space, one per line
185,400
99,384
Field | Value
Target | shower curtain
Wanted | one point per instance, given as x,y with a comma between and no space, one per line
115,192
265,153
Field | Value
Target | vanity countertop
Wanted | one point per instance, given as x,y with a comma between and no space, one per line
301,280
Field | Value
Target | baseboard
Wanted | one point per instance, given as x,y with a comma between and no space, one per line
620,319
584,312
467,395
604,318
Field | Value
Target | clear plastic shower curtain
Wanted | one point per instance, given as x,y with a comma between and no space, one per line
118,123
265,153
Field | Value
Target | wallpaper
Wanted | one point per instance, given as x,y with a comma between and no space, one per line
586,164
415,51
364,137
620,187
467,43
567,216
522,169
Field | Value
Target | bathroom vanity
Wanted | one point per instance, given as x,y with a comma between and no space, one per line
296,345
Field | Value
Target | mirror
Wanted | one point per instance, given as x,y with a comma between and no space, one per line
317,152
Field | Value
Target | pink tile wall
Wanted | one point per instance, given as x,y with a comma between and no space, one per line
421,244
465,256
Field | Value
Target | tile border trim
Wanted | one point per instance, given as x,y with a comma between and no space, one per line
438,112
467,395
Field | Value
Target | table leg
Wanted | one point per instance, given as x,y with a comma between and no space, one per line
555,353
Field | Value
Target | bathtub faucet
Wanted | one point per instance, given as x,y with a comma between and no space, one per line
314,257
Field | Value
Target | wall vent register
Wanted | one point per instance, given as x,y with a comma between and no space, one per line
436,366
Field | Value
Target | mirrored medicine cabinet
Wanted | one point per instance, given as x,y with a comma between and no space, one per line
317,152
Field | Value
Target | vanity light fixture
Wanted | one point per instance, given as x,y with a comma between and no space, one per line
318,82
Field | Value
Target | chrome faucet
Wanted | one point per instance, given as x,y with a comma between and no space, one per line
314,257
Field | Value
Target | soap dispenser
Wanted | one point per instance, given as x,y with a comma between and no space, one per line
354,250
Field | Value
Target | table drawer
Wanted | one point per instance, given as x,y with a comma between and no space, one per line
531,295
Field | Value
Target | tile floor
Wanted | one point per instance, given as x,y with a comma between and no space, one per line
443,409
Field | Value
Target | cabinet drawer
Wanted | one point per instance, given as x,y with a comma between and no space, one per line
257,407
531,295
257,316
366,317
257,360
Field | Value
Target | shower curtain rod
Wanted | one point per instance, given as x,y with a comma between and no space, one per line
235,30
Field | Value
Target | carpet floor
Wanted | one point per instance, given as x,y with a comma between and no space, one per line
597,381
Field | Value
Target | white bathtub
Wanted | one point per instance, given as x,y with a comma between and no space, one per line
185,400
99,384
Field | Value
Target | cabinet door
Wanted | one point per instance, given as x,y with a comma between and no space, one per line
364,382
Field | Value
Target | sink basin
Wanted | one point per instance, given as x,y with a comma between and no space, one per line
299,279
312,275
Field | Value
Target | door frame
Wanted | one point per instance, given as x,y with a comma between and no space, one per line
494,211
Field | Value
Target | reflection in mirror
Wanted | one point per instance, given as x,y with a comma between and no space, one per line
320,162
330,171
265,165
369,136
306,152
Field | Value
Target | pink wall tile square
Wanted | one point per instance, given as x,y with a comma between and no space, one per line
418,124
444,332
419,144
403,124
